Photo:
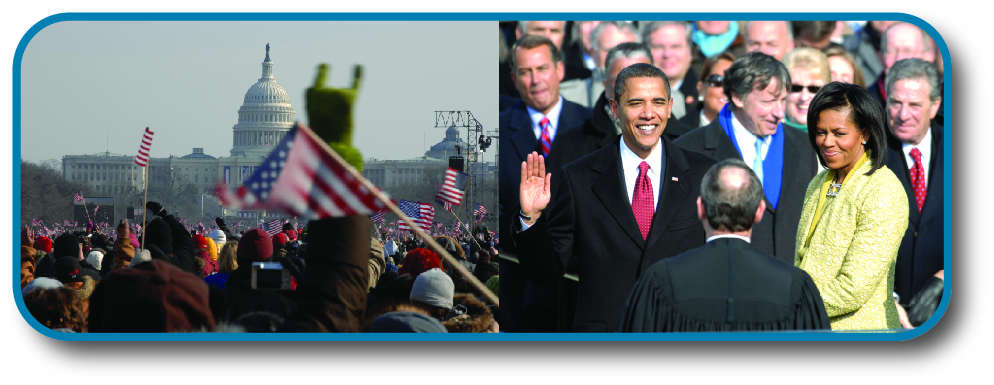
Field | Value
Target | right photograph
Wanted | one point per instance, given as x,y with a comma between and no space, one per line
721,176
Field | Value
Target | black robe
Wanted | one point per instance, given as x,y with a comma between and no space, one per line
724,285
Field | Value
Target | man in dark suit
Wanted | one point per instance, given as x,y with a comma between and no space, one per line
725,285
915,154
903,41
755,85
672,51
532,125
618,210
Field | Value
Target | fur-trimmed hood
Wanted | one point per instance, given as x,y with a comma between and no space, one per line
477,319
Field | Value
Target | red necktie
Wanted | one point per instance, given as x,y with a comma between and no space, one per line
546,139
642,200
918,178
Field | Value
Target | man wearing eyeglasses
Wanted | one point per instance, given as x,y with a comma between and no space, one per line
902,41
750,128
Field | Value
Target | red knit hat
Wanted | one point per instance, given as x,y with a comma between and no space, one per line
43,243
255,246
200,242
279,240
420,260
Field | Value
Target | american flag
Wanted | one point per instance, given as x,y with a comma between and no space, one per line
95,210
272,227
77,197
302,178
144,148
420,213
479,212
378,217
445,204
454,187
37,222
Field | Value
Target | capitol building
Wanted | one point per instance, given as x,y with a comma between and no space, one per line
265,116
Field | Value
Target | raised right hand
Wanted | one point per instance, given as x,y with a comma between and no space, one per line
535,186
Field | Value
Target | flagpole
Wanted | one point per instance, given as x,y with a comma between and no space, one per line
490,296
145,175
459,223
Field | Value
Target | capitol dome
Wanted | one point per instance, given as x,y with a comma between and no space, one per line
265,116
447,147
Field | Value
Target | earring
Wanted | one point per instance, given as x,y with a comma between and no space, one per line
864,142
700,97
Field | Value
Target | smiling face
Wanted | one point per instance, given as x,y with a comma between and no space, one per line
761,110
798,102
670,51
909,110
839,142
714,97
642,110
537,77
769,37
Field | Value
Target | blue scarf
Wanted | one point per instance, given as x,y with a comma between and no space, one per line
772,165
714,44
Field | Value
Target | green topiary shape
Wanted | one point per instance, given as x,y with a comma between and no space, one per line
329,113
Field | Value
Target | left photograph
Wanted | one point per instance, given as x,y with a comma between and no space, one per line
203,177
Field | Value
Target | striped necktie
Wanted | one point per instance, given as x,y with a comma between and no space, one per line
546,138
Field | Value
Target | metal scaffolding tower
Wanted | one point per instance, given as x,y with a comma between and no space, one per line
480,141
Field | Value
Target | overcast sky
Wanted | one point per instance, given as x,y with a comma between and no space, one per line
93,86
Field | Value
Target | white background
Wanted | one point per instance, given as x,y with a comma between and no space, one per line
956,349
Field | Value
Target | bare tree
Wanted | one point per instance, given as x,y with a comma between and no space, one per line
46,194
174,191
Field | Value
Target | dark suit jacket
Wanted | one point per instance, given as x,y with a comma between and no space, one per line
599,131
776,233
723,286
517,140
573,63
592,222
921,253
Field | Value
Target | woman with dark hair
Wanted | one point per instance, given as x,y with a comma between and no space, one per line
855,212
712,98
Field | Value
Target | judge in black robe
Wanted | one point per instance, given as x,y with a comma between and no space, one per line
725,285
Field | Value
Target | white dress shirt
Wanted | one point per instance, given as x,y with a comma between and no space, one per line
747,142
553,116
713,237
925,147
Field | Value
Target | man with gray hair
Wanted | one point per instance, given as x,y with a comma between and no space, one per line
725,285
915,152
901,41
673,51
773,38
605,36
749,128
555,31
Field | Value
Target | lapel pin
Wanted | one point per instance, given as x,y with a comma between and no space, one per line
675,179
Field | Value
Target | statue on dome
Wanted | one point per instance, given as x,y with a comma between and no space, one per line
329,114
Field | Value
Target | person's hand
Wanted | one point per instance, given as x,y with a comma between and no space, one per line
154,207
123,231
535,186
220,223
940,274
329,114
902,315
27,238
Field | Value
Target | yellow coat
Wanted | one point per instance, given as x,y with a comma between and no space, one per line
853,249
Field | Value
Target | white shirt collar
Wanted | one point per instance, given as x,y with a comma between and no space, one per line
747,142
553,116
704,120
588,61
926,149
713,237
630,164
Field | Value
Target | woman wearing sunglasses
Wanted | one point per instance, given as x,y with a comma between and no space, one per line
711,98
809,71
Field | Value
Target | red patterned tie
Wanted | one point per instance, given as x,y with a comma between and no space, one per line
918,178
642,200
546,139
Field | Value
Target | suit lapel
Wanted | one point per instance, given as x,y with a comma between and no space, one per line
610,190
523,140
934,199
674,188
899,166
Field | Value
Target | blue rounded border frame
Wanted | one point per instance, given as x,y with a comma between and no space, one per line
758,336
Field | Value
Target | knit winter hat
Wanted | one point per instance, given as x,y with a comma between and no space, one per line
43,243
291,234
200,242
494,285
218,237
406,322
435,288
212,248
95,258
279,240
66,245
68,269
152,297
157,233
420,260
255,246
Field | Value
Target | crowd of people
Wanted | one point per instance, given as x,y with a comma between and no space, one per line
610,129
345,275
